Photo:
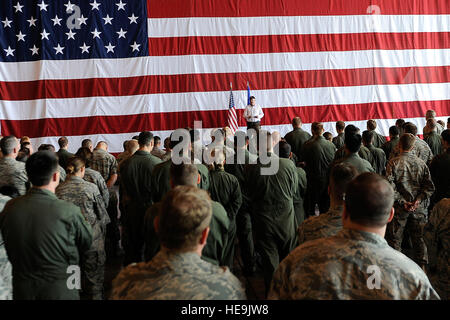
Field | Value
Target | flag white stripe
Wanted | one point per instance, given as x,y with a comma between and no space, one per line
203,64
203,101
288,25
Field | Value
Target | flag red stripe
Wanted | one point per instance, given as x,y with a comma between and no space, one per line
297,43
249,8
217,118
78,88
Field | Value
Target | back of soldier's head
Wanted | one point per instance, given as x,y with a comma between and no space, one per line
431,124
369,199
63,142
430,114
46,147
284,149
353,142
132,146
407,141
368,137
85,154
371,125
184,174
328,136
156,140
8,144
296,122
317,128
87,143
40,167
351,129
410,127
340,126
341,174
446,136
145,138
186,212
393,131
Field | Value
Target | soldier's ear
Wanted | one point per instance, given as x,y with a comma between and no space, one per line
199,179
204,236
391,215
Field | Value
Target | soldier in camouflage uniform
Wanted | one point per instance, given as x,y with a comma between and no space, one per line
411,180
421,148
177,271
329,223
356,263
12,172
5,266
431,114
105,163
87,197
297,137
389,146
437,238
433,138
338,141
378,156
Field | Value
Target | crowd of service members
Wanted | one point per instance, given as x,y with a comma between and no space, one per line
330,223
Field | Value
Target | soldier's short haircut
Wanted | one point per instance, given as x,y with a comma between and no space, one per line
340,125
351,129
135,138
46,147
85,154
86,143
368,136
296,122
446,135
430,114
145,138
284,149
369,199
156,140
132,146
40,167
393,131
167,143
431,123
316,128
340,175
63,142
410,127
327,135
407,141
7,145
371,124
24,139
184,174
185,213
353,142
399,123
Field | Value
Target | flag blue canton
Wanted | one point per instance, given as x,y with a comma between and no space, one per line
231,100
32,30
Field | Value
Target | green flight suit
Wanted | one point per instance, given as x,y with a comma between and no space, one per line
360,164
378,159
363,152
297,138
318,155
389,146
161,179
434,142
243,218
273,215
440,173
378,140
43,237
63,157
225,189
135,188
299,197
216,244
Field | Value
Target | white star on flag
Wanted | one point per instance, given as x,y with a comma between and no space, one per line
133,19
82,20
121,33
34,50
95,5
121,5
32,21
70,35
42,6
18,7
56,21
6,23
96,33
21,36
44,34
9,51
110,48
135,46
84,48
108,20
69,7
59,49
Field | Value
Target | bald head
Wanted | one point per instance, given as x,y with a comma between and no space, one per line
102,145
132,146
368,200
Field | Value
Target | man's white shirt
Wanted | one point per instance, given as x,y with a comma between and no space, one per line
253,111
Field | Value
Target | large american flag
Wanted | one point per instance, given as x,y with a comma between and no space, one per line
106,70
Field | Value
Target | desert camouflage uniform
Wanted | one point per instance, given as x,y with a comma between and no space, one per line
12,173
87,197
5,266
339,267
420,150
437,238
96,178
177,276
323,226
411,180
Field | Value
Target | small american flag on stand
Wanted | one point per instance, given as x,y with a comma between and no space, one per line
232,117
